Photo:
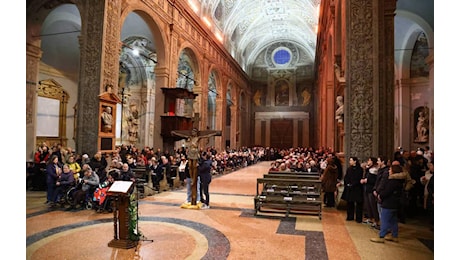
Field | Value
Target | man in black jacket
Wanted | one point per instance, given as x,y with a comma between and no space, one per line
204,171
156,172
389,195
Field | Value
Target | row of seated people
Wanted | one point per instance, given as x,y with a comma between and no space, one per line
88,191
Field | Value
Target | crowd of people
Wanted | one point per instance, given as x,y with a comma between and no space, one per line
380,192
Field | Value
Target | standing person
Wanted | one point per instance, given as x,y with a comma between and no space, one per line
425,180
338,163
99,164
57,150
389,195
329,183
53,170
204,172
382,162
430,200
354,190
41,157
183,167
408,184
370,203
193,139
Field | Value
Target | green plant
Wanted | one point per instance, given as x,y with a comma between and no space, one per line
134,233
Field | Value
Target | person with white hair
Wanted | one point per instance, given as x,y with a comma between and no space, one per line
313,166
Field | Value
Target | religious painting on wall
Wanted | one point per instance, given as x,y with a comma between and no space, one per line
421,124
305,97
282,93
258,97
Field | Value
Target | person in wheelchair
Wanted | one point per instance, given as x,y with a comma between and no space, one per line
64,181
83,196
102,202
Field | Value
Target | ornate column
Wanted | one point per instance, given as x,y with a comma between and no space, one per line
369,91
385,86
33,55
306,131
162,81
99,45
295,134
233,126
220,121
257,132
430,62
267,132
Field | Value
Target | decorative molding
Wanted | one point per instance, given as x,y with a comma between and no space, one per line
360,102
299,115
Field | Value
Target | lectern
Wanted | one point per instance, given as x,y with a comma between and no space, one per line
121,192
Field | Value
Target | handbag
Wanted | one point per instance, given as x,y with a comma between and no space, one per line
345,193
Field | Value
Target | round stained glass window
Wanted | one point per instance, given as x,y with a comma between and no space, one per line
282,57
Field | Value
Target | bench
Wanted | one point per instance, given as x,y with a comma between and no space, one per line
317,174
140,174
288,195
291,176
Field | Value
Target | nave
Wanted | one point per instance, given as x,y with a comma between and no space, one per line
228,230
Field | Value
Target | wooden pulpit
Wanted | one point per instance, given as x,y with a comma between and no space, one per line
121,192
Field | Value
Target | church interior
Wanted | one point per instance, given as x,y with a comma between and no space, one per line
355,77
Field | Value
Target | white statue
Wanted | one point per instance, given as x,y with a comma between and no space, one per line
339,111
107,119
422,126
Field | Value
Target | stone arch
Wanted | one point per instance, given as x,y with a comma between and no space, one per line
213,83
154,23
404,44
188,76
137,81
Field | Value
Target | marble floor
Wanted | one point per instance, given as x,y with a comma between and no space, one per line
228,230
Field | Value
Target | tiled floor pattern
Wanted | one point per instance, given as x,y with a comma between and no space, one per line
228,230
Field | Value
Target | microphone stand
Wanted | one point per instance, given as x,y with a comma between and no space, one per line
142,237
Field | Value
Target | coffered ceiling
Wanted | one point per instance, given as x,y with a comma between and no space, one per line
260,34
251,27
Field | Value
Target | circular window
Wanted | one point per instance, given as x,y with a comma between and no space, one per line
282,56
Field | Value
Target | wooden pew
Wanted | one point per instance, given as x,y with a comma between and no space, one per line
140,174
164,186
288,195
291,176
317,174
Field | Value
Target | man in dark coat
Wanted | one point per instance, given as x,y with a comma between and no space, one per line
353,191
204,172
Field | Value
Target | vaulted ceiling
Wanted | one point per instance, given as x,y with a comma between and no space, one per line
259,34
253,29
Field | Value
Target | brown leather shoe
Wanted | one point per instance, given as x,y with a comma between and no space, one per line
391,238
378,239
